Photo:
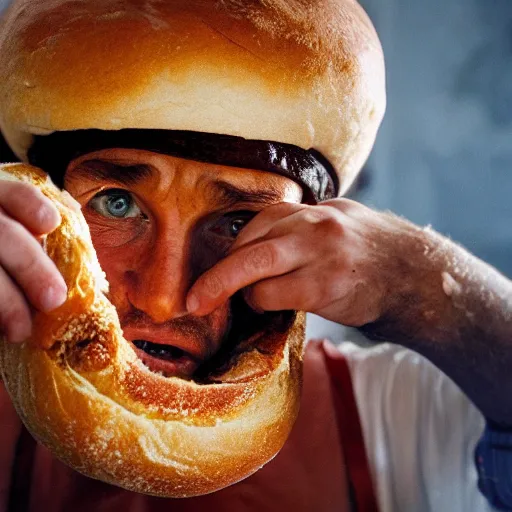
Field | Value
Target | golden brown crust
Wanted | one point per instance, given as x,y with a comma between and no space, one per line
80,389
308,73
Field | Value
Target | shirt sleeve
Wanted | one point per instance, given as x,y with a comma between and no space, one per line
493,459
420,432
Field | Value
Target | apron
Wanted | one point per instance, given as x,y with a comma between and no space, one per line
322,467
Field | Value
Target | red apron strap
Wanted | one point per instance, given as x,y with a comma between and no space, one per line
19,497
349,426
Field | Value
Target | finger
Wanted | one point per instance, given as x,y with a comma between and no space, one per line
28,265
314,229
15,318
264,222
28,205
332,297
293,291
244,267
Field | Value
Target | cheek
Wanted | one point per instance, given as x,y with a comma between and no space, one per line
113,233
118,245
115,262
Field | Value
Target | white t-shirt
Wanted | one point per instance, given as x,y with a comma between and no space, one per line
420,432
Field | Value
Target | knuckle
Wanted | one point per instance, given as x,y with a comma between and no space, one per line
307,291
251,297
26,193
314,216
35,204
14,313
27,200
267,296
260,257
331,226
323,220
315,299
11,232
23,257
28,264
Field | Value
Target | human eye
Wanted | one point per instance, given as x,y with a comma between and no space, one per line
229,225
116,204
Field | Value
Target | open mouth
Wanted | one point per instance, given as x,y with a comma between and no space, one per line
167,360
257,336
248,331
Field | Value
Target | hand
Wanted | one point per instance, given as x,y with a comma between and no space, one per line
376,271
338,259
28,277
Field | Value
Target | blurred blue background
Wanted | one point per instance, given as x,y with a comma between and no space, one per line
444,153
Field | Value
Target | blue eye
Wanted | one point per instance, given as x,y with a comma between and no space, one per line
236,225
118,206
115,203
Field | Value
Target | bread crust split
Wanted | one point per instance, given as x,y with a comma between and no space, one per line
309,73
82,392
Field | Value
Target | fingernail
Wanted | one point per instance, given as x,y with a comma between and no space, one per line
53,297
47,217
192,303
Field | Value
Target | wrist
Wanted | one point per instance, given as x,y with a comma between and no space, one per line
414,304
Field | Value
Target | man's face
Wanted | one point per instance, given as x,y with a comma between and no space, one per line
158,222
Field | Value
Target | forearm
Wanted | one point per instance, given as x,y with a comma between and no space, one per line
457,311
358,267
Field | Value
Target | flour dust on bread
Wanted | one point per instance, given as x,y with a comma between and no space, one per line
299,72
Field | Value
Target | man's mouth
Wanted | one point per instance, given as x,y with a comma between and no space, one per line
189,350
171,351
167,360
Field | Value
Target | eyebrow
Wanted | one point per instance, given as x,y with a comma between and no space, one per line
128,174
231,195
124,174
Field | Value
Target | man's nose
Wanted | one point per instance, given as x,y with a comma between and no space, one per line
159,284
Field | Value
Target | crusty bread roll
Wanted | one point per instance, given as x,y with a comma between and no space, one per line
309,73
303,72
80,389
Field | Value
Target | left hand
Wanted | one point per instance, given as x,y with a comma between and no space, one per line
340,260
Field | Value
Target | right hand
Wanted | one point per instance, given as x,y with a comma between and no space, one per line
28,277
